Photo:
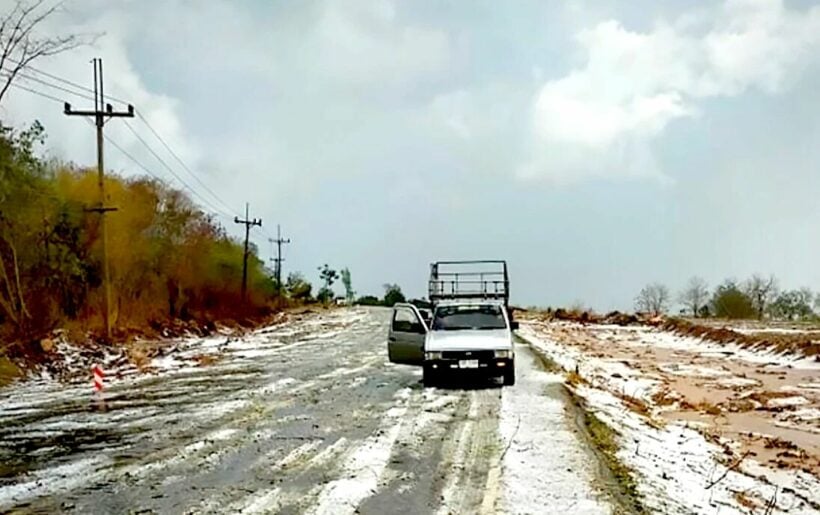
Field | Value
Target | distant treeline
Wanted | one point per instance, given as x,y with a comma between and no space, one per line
167,257
392,295
758,297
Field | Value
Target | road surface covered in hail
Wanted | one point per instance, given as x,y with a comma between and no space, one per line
304,417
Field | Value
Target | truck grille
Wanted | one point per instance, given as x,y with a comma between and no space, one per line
468,354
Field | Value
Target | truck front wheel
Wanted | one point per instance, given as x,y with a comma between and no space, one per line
509,375
429,375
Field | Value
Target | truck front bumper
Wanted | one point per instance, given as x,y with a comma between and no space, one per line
489,366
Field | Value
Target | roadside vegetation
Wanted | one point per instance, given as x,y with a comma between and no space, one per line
392,295
168,259
758,298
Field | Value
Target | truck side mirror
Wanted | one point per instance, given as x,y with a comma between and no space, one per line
514,325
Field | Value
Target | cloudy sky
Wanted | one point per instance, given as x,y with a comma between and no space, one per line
596,145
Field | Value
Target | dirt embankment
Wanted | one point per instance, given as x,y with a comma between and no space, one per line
61,352
806,343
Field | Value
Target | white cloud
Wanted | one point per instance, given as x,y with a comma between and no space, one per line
364,44
602,118
72,139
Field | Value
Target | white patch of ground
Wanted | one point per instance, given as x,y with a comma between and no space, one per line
52,481
544,464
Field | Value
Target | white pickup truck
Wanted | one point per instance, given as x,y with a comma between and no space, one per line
470,331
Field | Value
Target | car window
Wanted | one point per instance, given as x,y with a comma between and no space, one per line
449,318
404,320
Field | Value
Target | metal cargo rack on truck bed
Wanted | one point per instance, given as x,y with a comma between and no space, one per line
465,280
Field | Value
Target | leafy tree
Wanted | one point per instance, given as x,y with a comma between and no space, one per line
730,301
348,284
297,287
328,276
167,258
761,291
653,298
392,294
369,300
793,305
695,295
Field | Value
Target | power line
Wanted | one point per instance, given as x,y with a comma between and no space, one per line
48,84
143,118
61,79
181,162
171,170
128,155
148,170
225,211
39,93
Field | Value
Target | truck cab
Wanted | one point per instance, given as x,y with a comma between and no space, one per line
470,330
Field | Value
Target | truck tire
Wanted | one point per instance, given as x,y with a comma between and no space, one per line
509,376
428,376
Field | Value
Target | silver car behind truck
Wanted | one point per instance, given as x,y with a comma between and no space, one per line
470,331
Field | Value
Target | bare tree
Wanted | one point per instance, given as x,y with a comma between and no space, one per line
695,295
761,291
20,45
653,298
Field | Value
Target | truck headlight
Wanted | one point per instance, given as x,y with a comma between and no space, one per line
503,354
432,355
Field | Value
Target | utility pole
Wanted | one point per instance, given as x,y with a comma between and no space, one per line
248,224
278,260
101,113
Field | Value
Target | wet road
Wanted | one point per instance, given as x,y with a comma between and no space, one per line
306,417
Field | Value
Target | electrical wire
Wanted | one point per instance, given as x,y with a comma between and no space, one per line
63,80
47,84
171,170
184,166
224,211
145,168
38,93
224,205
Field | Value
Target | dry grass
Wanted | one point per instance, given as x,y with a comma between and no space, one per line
778,443
709,408
664,397
744,500
574,379
205,360
8,371
740,406
604,439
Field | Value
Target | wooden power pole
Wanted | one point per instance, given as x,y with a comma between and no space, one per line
278,260
101,113
248,224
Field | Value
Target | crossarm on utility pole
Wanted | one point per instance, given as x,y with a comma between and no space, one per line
248,224
100,112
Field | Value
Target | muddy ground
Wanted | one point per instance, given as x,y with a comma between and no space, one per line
753,413
304,417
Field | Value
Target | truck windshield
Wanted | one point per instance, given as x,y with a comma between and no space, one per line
453,318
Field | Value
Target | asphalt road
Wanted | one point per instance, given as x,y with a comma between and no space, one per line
306,417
